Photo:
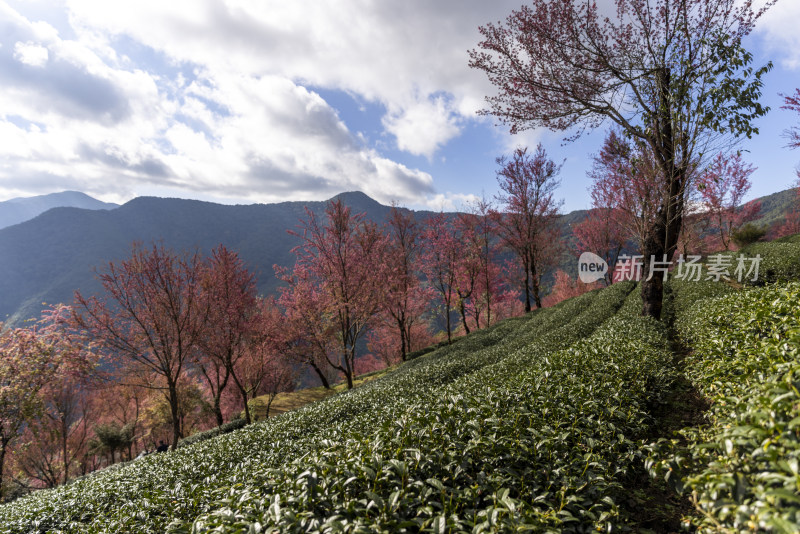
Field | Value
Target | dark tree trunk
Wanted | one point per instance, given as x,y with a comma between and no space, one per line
401,324
247,418
64,450
661,240
175,413
527,292
462,309
321,375
218,410
447,319
535,284
349,361
3,447
243,393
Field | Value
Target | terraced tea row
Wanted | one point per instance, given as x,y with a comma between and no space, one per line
743,468
542,439
149,494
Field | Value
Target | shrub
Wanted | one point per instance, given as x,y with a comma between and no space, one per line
747,234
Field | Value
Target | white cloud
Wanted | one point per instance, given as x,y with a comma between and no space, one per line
778,26
422,128
404,55
116,128
30,53
450,201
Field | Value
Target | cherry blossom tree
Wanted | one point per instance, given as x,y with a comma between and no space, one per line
672,74
150,315
265,368
526,224
722,187
345,255
123,399
27,364
407,299
469,265
307,333
57,435
490,286
229,296
625,181
601,233
440,259
566,287
382,339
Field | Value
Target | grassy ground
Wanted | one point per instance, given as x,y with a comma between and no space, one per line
286,402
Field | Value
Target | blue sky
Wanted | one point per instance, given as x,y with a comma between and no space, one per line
242,101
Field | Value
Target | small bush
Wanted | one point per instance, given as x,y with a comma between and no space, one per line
748,234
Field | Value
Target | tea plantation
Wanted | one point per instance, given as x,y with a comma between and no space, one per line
545,423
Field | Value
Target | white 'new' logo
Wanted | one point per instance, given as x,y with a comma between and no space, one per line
591,267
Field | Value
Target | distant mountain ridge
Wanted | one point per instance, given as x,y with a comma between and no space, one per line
47,258
21,209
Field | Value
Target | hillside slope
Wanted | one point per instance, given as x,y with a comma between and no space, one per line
49,257
531,422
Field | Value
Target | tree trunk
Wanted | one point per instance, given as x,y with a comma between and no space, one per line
527,292
175,413
403,346
321,376
242,392
447,319
3,447
64,451
247,418
488,307
349,361
463,311
535,285
660,243
661,240
218,410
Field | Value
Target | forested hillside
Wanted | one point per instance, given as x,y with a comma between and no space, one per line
50,257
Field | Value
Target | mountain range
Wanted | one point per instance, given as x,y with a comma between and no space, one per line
45,259
17,210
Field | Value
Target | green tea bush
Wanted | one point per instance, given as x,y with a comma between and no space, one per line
683,294
789,239
742,469
541,440
147,495
780,262
224,428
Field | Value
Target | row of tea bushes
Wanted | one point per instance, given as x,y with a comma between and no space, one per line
742,470
545,439
159,490
779,261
